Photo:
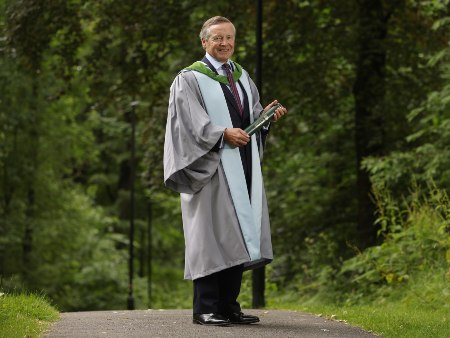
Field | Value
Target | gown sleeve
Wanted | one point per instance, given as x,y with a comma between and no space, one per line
190,159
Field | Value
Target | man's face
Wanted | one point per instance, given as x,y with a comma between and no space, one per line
220,44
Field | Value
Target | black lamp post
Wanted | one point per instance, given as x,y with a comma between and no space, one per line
130,300
149,255
258,275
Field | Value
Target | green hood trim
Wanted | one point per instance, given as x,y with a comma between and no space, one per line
204,69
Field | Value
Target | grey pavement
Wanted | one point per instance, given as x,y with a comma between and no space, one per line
178,323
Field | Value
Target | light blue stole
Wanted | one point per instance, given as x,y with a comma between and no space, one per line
248,213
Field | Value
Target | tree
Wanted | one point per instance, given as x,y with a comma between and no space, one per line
369,91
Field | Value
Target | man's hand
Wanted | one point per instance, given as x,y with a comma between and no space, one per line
278,113
236,137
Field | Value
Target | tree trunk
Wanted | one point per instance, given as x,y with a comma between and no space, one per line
369,91
27,240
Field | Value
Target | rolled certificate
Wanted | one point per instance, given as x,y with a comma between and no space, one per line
262,120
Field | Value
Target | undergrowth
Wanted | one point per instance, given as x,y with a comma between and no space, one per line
399,288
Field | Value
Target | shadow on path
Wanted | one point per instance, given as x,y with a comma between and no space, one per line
178,323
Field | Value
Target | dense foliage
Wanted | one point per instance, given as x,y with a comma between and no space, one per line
367,85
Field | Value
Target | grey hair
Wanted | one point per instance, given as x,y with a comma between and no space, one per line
215,20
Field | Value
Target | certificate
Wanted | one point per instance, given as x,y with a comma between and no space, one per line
262,120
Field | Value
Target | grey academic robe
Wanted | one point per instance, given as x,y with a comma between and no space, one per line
213,237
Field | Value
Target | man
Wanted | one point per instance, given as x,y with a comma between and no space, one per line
215,166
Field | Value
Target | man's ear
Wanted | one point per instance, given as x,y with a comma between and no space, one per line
204,43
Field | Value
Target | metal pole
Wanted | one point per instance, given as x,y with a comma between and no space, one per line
130,300
258,275
149,255
259,43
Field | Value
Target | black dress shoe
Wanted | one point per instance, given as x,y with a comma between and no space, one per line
240,318
210,319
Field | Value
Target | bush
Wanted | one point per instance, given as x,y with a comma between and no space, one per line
411,262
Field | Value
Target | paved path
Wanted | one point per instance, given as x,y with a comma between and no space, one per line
178,323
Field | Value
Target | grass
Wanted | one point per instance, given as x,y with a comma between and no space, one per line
397,289
389,320
25,315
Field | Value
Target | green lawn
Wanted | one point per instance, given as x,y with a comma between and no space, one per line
25,315
390,320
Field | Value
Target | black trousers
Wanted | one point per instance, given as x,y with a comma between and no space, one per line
218,292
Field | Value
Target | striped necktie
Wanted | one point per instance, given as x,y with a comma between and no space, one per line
233,87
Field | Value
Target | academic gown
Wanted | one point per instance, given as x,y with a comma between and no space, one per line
213,237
